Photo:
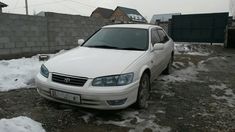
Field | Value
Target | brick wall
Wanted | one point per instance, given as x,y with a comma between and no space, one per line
22,35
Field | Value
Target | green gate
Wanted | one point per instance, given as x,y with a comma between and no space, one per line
199,27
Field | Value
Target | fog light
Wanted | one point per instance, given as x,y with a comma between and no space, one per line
117,102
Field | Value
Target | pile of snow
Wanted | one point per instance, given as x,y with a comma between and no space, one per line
20,73
20,124
191,49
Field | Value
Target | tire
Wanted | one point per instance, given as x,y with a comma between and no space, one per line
143,92
168,69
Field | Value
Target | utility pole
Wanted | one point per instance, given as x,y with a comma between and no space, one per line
26,7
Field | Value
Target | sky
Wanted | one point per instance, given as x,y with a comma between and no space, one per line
146,7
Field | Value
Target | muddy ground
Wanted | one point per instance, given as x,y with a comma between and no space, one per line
198,96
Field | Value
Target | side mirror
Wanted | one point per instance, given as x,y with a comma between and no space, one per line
158,46
81,41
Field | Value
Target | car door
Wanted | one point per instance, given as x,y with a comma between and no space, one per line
157,55
167,48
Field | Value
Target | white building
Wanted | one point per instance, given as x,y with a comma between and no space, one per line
162,17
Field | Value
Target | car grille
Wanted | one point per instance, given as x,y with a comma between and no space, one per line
69,80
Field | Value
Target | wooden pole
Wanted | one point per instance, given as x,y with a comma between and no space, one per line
26,7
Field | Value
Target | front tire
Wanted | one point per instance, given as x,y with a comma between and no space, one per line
143,92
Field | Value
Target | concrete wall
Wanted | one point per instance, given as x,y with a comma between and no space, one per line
65,30
22,35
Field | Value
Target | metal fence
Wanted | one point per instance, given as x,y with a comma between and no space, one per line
199,27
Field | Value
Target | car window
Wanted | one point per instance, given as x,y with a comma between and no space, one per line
155,37
163,36
119,38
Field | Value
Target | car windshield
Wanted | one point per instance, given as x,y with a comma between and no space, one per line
119,38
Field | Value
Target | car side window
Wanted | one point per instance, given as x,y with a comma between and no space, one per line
154,36
163,36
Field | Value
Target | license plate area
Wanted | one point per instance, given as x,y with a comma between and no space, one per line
66,96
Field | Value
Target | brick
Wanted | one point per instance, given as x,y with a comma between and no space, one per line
4,40
52,48
20,44
35,49
2,45
26,49
30,44
15,50
9,45
45,49
4,52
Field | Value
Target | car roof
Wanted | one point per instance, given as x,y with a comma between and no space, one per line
141,26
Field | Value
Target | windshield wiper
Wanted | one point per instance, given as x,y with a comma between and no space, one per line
113,47
131,48
103,46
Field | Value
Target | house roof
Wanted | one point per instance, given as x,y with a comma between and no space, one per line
3,5
104,12
133,14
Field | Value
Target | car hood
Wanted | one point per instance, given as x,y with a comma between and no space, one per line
92,62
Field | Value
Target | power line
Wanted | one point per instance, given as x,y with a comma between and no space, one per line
67,7
83,4
41,4
54,2
16,3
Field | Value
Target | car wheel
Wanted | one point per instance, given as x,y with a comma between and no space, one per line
143,91
168,69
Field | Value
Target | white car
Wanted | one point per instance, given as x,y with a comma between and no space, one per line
113,69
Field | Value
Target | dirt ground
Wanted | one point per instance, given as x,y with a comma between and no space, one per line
198,96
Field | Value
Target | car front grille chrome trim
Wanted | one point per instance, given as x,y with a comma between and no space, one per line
68,79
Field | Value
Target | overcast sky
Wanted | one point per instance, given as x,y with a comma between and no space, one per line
146,7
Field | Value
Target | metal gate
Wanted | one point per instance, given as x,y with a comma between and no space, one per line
199,27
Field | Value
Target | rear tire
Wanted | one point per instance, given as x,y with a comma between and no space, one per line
168,69
143,92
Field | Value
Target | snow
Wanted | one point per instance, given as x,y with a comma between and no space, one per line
142,121
228,96
20,124
20,73
222,86
191,49
187,74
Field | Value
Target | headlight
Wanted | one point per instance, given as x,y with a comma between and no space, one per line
44,71
115,80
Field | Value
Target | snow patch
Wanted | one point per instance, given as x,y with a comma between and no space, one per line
137,122
20,73
220,87
186,74
228,96
87,117
20,124
190,49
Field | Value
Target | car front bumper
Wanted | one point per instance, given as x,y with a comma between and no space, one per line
90,97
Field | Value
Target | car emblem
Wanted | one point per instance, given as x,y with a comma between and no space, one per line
67,80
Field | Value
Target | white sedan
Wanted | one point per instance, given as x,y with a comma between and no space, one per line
113,69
